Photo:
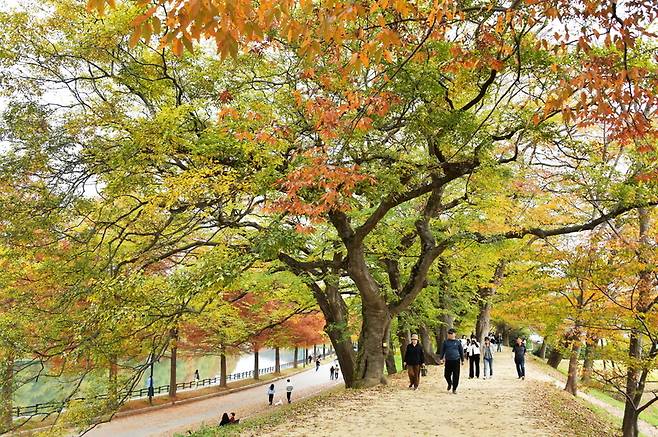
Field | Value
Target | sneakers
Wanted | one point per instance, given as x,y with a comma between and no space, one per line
415,388
523,377
454,392
411,385
449,387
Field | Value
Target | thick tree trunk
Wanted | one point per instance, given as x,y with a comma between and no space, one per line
335,312
572,376
390,358
629,425
371,357
296,358
426,342
404,337
6,392
114,379
315,351
256,373
174,363
542,350
554,358
588,363
506,333
222,368
447,322
277,360
635,383
483,323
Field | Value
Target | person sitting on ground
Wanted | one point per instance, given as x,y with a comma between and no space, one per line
225,420
233,420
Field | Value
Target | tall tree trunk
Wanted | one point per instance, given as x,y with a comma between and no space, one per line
277,361
483,322
256,373
447,322
174,364
572,376
390,358
506,333
588,363
315,351
629,424
485,294
635,384
296,357
6,391
404,337
114,379
426,343
335,313
554,358
371,356
222,367
542,350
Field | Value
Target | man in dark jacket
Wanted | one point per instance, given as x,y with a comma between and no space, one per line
452,353
518,353
414,358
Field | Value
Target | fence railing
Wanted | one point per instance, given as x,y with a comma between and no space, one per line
46,408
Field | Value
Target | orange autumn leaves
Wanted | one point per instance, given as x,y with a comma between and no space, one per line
319,187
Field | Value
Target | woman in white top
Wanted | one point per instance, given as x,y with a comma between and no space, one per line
270,393
474,358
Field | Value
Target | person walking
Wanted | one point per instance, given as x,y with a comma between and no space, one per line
499,343
331,373
452,353
289,388
473,358
518,353
270,393
196,375
414,358
487,356
317,364
336,372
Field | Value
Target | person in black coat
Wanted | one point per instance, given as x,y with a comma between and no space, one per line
414,359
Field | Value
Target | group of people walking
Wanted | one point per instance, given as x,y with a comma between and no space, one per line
453,354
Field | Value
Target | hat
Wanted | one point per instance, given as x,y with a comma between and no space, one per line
414,336
451,331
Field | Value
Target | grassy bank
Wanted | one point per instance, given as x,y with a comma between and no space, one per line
255,425
610,397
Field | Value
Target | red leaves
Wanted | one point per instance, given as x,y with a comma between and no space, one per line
225,96
318,187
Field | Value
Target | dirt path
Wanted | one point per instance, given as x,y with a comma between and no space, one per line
501,406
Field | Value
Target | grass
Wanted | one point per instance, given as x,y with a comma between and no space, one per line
576,416
398,362
254,425
650,415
